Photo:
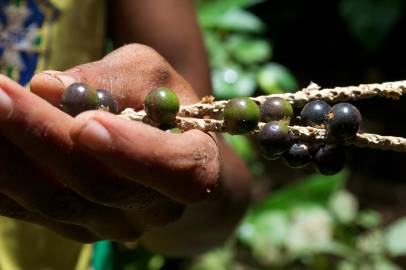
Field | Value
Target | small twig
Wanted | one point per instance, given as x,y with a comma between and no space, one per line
307,134
392,90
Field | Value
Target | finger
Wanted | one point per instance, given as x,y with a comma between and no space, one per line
11,209
130,72
184,167
41,132
33,189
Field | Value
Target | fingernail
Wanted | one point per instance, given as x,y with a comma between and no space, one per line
6,105
94,136
60,78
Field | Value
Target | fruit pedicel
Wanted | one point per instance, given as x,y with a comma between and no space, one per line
320,138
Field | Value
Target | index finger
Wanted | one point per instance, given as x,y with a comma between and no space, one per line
130,73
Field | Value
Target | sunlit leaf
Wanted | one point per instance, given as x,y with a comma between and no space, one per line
372,243
219,259
274,78
220,6
232,20
232,82
395,238
270,227
216,49
382,263
249,50
369,219
310,230
344,206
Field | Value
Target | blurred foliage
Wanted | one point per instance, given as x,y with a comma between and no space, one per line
240,54
313,224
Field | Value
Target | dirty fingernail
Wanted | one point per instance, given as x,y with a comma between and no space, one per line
60,77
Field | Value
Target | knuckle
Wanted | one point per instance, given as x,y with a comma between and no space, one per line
155,69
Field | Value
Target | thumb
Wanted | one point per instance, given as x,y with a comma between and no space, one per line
130,73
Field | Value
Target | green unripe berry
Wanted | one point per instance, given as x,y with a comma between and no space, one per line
241,115
162,105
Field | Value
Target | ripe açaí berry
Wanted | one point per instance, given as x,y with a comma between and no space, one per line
241,115
297,156
162,105
106,101
79,97
315,112
274,138
329,159
343,121
275,109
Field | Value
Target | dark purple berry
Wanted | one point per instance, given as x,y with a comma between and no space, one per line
343,121
162,105
330,160
106,101
79,97
241,115
313,149
274,138
297,156
275,109
314,113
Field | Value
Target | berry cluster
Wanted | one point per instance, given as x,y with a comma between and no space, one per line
242,115
342,122
80,97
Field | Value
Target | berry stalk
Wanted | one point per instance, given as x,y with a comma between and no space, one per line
307,134
391,90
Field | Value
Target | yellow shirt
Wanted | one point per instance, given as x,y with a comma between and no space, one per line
49,34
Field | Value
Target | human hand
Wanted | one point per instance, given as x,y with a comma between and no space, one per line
97,176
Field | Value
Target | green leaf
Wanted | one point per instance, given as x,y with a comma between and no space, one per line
370,21
315,189
369,219
242,145
219,258
232,82
269,228
220,6
372,243
248,50
395,238
232,20
274,78
310,231
216,49
382,263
